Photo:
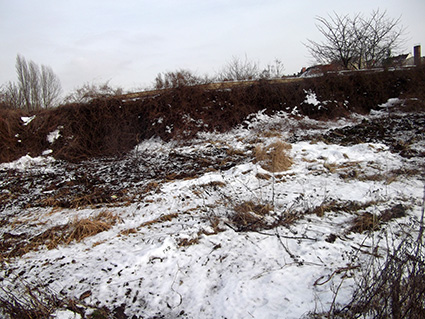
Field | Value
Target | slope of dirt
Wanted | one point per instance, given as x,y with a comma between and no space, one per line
114,126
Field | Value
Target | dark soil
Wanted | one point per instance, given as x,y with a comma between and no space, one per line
402,132
107,181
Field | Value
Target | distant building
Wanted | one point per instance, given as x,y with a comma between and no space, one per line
402,60
321,69
397,61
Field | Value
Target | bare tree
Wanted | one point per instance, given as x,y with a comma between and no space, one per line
377,37
36,87
357,42
23,86
237,70
50,86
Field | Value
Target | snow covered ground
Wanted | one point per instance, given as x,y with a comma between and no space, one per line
236,242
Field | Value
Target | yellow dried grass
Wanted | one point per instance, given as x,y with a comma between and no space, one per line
275,157
76,230
250,215
161,219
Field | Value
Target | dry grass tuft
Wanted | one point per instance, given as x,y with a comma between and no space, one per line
129,231
323,208
250,206
184,242
250,216
370,222
335,206
151,187
215,225
232,152
396,211
76,230
79,229
214,184
161,219
275,157
363,222
263,176
31,303
271,133
87,227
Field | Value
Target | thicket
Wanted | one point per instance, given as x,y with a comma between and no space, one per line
109,126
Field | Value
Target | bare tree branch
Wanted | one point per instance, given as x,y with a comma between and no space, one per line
358,41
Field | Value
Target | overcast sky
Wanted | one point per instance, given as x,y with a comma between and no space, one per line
129,42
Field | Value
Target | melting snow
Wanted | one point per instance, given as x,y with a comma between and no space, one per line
27,120
143,264
53,136
311,98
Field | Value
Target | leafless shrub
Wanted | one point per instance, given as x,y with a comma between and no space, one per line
115,125
394,288
10,128
25,301
89,91
31,306
179,78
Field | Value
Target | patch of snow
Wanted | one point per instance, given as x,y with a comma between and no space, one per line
27,119
26,162
53,136
158,121
66,314
391,103
47,152
311,98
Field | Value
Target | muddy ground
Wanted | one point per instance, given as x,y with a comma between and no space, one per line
114,180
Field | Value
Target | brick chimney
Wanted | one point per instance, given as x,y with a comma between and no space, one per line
417,55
